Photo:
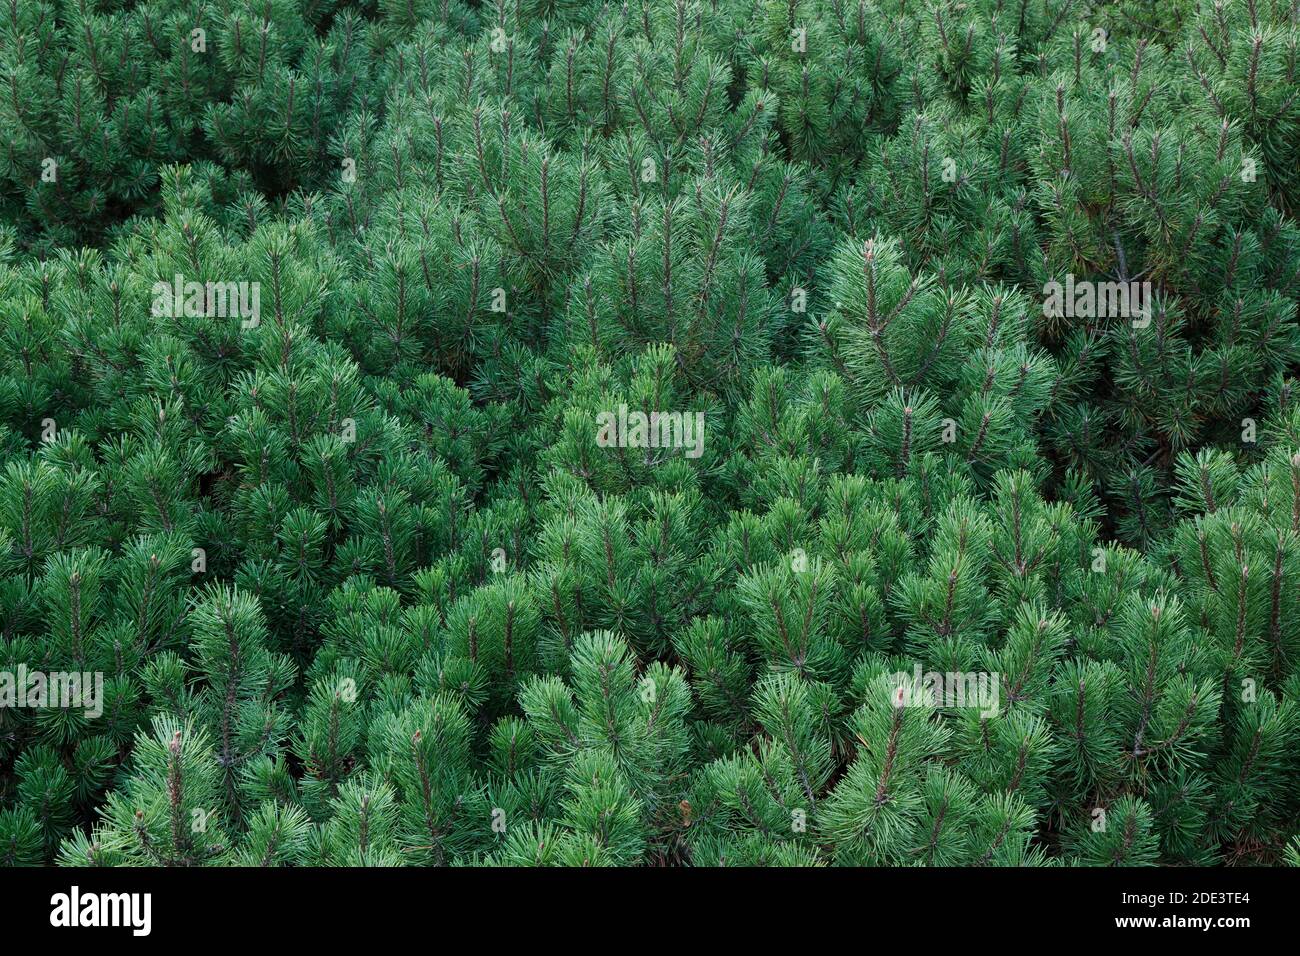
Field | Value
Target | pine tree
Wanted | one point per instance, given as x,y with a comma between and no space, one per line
823,432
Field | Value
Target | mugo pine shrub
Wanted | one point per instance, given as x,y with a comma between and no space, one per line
693,432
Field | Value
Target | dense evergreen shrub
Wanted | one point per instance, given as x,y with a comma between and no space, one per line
344,533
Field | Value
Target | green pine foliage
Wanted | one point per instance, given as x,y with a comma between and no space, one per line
363,580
